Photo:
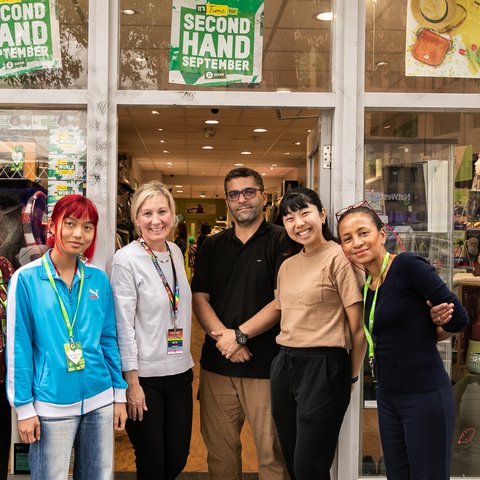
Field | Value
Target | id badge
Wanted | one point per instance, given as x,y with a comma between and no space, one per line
174,341
74,355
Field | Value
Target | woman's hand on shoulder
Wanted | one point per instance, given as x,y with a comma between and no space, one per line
442,313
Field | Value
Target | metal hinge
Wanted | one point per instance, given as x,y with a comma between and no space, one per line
327,156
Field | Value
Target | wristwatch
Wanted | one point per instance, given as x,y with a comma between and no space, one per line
240,337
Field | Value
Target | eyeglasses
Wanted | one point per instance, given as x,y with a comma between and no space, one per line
361,203
248,193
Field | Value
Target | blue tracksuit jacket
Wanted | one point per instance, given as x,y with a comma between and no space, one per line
38,382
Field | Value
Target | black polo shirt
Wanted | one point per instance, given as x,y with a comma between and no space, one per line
241,279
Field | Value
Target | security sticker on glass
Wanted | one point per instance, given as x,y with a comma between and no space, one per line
175,341
74,354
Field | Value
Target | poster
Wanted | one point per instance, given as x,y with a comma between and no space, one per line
216,43
443,39
29,36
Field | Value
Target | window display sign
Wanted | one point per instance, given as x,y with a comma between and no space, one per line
442,39
216,43
29,36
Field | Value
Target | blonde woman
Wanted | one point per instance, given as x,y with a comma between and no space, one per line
153,306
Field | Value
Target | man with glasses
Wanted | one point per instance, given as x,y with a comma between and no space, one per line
233,299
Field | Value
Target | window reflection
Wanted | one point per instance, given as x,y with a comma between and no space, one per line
296,47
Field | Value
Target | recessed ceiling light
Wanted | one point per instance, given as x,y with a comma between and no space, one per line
260,130
179,191
178,186
160,129
239,164
386,127
271,168
212,122
166,151
286,153
245,153
169,164
324,16
207,147
274,164
155,112
163,141
296,143
263,174
309,130
129,11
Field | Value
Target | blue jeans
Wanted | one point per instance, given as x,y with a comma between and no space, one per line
91,436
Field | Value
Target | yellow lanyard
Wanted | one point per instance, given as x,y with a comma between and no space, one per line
371,317
60,301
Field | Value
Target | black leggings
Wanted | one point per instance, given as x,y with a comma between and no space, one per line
6,431
310,395
162,439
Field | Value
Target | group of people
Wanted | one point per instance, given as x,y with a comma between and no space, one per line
288,315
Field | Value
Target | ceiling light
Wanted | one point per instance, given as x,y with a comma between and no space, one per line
207,147
160,129
211,122
178,186
386,127
296,143
202,195
324,16
274,164
263,174
169,164
286,153
309,130
271,168
129,11
239,164
166,151
245,153
163,141
179,191
260,130
155,112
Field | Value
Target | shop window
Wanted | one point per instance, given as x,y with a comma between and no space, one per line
42,157
400,58
294,48
426,186
44,44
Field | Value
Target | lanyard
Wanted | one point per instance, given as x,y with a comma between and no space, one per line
172,297
371,317
60,301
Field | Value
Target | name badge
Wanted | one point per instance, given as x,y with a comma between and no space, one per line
174,341
74,355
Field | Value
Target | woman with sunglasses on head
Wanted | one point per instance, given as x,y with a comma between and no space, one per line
64,376
153,305
414,396
321,338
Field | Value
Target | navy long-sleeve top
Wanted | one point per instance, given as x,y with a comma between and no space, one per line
406,356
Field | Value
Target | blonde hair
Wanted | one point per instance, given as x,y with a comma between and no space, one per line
146,191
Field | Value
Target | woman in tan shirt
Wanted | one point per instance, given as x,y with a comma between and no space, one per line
321,338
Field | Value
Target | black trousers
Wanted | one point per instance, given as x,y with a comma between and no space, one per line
416,430
310,394
162,439
5,431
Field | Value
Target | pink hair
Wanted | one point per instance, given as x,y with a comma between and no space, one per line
76,206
